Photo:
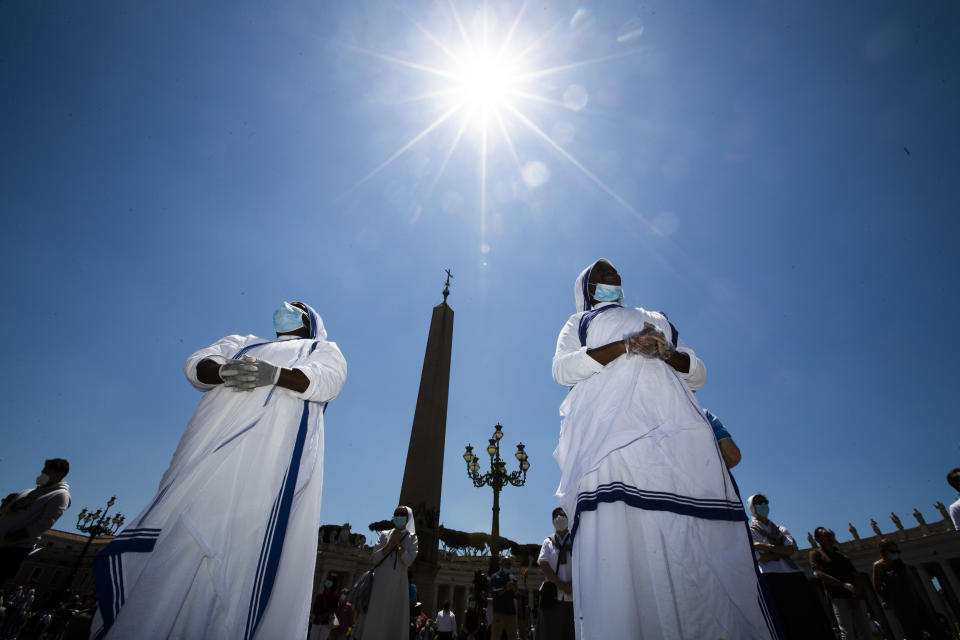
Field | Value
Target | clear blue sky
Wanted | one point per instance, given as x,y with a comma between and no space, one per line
169,173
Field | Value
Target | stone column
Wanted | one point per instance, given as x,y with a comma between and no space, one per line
423,473
934,597
951,578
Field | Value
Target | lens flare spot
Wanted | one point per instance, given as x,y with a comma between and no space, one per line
631,30
665,223
484,248
575,97
580,17
535,174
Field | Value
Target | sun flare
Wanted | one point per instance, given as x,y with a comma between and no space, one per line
484,80
488,76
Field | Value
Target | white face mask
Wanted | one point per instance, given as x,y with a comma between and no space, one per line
560,523
42,479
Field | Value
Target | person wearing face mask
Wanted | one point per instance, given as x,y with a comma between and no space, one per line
24,516
659,531
899,588
472,625
798,610
388,615
344,613
842,583
324,608
503,592
223,551
555,619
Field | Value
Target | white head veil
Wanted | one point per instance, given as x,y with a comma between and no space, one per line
410,527
317,330
751,509
581,295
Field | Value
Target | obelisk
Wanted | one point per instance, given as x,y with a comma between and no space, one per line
423,474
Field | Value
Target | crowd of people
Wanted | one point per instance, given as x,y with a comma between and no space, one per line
27,614
650,525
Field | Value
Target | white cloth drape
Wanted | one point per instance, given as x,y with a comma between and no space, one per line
388,616
226,549
657,522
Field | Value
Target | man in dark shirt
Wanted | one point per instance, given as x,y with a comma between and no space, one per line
900,589
839,578
503,589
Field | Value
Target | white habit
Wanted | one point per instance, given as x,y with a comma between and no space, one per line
226,549
388,616
659,531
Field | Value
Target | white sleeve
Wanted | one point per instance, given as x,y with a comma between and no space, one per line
697,375
54,507
788,538
381,542
571,364
409,550
955,514
219,352
326,369
548,553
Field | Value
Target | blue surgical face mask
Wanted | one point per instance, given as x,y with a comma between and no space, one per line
399,521
328,583
607,292
893,555
287,318
762,509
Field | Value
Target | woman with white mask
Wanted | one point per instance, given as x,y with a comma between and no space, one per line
388,616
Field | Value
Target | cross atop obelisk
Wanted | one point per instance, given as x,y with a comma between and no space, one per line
423,473
446,285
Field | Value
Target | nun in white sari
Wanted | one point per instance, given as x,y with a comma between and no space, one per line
226,549
388,616
661,549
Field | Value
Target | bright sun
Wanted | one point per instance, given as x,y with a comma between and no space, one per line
484,80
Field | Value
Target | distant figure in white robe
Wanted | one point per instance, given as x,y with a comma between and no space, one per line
226,550
388,616
659,532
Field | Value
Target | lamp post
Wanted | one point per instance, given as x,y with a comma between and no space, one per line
95,523
497,478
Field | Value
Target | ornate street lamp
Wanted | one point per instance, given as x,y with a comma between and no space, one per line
497,478
94,524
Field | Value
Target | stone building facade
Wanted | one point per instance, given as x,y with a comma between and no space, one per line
57,554
933,549
346,557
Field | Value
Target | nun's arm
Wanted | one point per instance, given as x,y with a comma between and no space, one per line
208,372
608,352
573,363
293,379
